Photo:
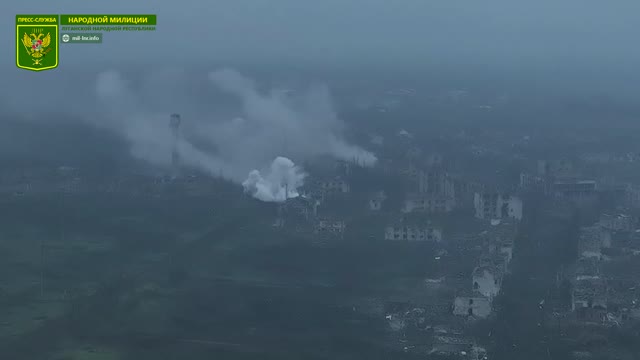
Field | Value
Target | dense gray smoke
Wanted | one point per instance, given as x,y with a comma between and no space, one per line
271,130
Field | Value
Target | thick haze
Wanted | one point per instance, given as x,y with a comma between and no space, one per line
590,44
547,44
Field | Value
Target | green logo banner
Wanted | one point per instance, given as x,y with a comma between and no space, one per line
37,46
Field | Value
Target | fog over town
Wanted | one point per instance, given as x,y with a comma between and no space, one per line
324,180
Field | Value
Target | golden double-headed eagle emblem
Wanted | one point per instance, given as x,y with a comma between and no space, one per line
37,46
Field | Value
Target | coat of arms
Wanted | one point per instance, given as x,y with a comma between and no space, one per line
37,43
37,46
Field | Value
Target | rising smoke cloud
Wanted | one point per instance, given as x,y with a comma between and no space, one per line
281,182
256,148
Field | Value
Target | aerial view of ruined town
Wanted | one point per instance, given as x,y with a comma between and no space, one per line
446,239
288,193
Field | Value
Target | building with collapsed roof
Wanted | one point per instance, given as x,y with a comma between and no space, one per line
632,196
333,186
487,280
376,201
589,287
407,232
589,291
297,212
626,243
533,183
409,171
576,189
499,239
592,240
455,345
477,306
617,222
436,183
326,227
465,190
428,203
556,168
493,205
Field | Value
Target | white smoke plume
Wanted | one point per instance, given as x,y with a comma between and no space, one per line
302,125
281,125
148,132
279,184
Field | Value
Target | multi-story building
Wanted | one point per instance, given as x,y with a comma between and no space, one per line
494,205
576,189
619,222
330,227
556,168
592,240
428,203
487,280
436,183
335,185
477,306
412,233
633,196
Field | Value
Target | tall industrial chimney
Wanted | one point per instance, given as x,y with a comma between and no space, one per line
174,124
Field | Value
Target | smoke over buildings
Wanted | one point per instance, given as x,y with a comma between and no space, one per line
279,183
257,147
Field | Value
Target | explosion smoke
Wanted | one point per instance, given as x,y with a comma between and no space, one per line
273,125
281,182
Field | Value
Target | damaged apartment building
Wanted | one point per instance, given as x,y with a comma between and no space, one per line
402,231
618,222
592,240
376,201
297,213
486,278
329,228
321,188
577,190
300,215
612,231
486,284
435,193
604,281
589,286
602,295
417,330
494,205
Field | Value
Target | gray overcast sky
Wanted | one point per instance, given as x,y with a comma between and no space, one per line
339,30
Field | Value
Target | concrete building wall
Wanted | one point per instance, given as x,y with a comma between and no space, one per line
633,197
330,227
514,208
496,206
428,203
618,222
472,306
335,185
486,282
436,183
409,233
375,202
592,240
